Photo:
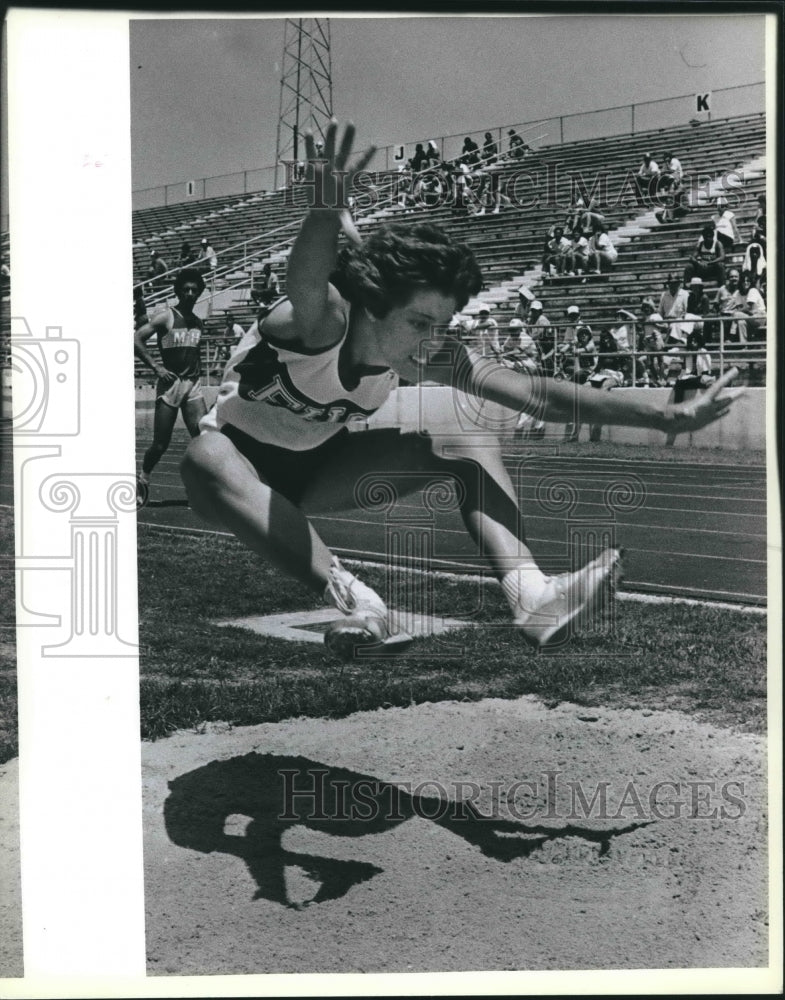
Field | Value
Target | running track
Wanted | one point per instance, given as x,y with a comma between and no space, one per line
687,530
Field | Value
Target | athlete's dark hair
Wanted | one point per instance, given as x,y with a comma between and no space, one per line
397,261
188,274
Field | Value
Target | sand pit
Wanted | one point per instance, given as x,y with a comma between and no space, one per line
231,889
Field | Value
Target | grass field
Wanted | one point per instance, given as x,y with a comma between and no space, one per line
703,660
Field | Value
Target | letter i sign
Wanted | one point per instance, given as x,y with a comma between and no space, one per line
703,102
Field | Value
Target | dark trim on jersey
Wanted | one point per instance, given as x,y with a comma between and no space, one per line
296,346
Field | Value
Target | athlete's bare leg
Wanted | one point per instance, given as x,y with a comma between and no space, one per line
226,490
163,425
193,411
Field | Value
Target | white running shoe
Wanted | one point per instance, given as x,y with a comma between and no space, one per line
367,621
568,596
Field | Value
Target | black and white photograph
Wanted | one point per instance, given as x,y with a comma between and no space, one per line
390,480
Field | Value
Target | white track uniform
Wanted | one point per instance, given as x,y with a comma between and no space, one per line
294,399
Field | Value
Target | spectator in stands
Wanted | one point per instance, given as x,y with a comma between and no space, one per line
759,226
577,257
583,353
518,347
157,273
671,175
233,332
753,306
602,253
470,152
491,167
624,333
5,277
728,305
573,314
652,341
707,258
754,265
725,225
187,256
265,286
208,259
419,158
541,332
432,155
648,176
516,147
556,249
673,309
697,300
486,330
525,299
609,359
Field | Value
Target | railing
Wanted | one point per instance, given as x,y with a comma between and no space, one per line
624,119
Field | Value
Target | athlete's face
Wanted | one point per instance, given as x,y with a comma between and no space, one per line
407,333
187,294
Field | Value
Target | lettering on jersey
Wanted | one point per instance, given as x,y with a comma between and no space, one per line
265,379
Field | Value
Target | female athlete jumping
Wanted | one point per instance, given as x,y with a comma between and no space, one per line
276,444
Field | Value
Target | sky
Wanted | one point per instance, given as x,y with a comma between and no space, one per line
205,93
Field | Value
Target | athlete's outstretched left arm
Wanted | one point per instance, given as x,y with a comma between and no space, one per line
557,401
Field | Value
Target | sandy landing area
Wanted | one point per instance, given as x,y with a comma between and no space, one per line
382,879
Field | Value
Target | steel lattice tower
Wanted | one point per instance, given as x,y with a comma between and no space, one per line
306,87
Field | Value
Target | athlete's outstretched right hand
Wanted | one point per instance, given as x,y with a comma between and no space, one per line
332,174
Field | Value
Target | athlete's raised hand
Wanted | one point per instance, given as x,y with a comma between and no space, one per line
332,172
705,408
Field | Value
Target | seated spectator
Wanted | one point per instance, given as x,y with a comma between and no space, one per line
671,175
157,275
208,259
517,148
602,253
752,304
707,258
418,161
652,341
187,256
648,176
624,333
518,347
577,257
470,152
233,332
265,286
673,308
486,331
759,226
754,265
432,155
556,250
525,299
609,359
725,225
728,305
697,299
583,355
538,326
569,336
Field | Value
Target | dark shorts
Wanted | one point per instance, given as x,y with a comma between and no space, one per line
287,472
386,452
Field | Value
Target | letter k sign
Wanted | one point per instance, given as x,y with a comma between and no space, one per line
702,102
